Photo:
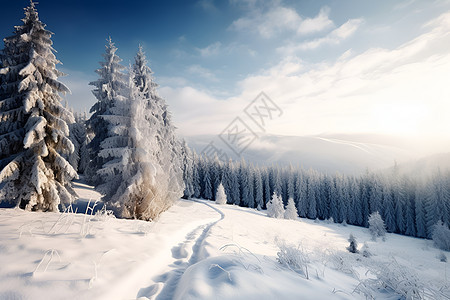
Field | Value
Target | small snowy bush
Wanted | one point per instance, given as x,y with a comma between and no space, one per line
392,278
221,197
353,247
275,207
376,226
293,258
365,250
442,257
441,236
291,210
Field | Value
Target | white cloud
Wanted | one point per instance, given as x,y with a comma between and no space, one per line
197,112
269,23
401,91
335,37
201,72
210,50
278,19
207,5
316,24
217,48
403,4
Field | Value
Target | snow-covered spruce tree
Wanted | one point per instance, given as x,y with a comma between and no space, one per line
302,195
33,129
275,207
169,156
84,151
376,226
196,175
216,174
244,183
235,192
221,197
78,138
266,184
311,197
188,171
258,187
110,88
144,176
441,236
420,214
207,185
353,247
291,210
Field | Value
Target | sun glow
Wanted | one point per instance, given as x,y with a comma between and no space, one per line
400,118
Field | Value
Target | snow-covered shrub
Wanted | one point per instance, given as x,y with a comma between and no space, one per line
365,250
291,210
353,247
392,278
376,226
221,197
442,257
441,236
275,207
330,220
293,258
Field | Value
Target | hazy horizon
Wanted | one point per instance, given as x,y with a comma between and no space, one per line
346,68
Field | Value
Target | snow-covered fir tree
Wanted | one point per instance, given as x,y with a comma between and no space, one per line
244,180
302,194
258,188
226,179
78,137
234,184
33,129
421,224
376,226
353,247
143,176
291,211
311,197
188,171
275,207
441,236
169,156
207,184
266,181
196,183
221,197
343,198
216,174
110,88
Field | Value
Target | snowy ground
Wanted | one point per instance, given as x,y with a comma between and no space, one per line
200,250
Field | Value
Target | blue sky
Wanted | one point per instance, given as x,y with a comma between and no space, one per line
346,66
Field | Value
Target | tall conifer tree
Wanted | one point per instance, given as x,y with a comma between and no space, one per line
33,129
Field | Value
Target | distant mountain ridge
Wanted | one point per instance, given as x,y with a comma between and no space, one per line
348,154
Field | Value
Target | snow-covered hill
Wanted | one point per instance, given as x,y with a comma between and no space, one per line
200,250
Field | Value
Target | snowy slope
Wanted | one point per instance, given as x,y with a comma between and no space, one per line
200,250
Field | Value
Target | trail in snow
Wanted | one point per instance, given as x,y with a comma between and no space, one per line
182,259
